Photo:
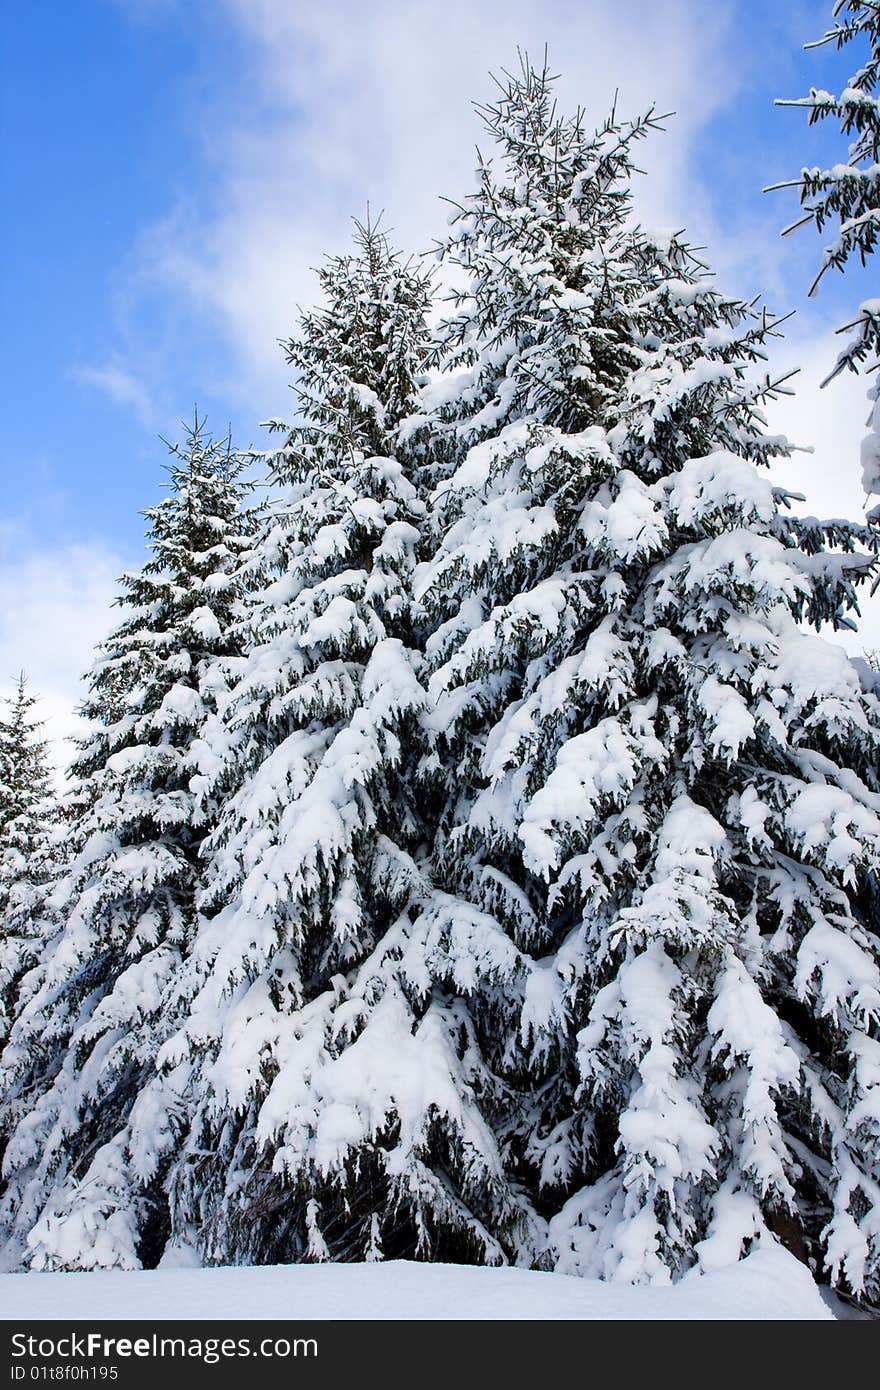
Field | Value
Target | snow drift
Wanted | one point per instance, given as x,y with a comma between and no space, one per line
769,1284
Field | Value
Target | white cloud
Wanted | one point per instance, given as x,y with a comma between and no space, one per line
348,103
123,388
55,605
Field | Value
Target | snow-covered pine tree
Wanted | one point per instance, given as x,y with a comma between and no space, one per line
333,1120
94,1131
541,272
661,793
27,815
847,198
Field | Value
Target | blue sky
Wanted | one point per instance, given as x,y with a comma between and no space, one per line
173,168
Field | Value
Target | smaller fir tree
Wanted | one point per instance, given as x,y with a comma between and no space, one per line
27,816
91,1127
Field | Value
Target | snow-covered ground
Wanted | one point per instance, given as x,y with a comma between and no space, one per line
770,1284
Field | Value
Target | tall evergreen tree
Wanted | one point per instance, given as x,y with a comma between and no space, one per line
91,1131
846,197
661,794
27,814
311,863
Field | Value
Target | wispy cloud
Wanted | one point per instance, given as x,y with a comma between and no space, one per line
122,387
55,606
349,103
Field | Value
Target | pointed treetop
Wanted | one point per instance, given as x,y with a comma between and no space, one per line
355,356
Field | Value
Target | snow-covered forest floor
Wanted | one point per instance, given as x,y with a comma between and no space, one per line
770,1284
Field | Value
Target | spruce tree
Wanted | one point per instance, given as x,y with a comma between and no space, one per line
846,197
661,794
27,813
92,1130
293,1152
